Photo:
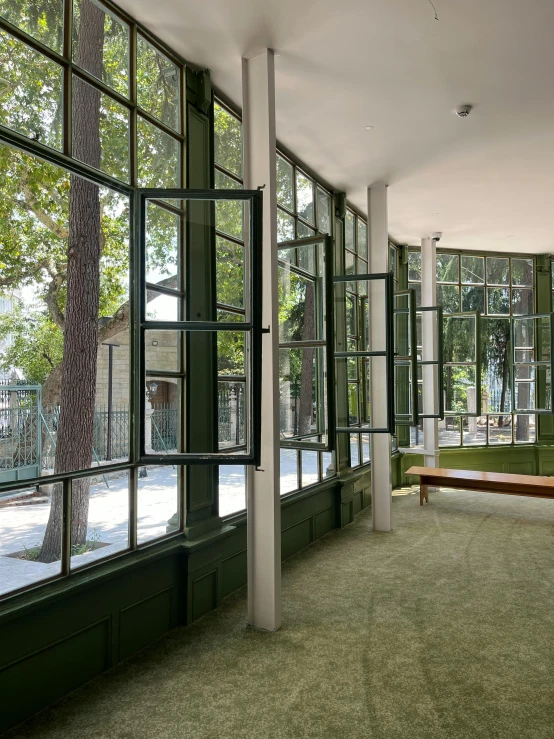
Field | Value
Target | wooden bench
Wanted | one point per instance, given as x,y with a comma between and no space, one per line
530,486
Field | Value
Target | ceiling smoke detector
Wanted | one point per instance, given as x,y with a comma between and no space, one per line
462,111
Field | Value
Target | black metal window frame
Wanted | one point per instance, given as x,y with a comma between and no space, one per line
252,326
234,382
438,363
70,70
325,303
63,159
409,359
357,380
387,353
538,365
485,284
302,228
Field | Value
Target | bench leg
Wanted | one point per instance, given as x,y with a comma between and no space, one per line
423,493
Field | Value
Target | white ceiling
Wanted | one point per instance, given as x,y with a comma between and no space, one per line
390,64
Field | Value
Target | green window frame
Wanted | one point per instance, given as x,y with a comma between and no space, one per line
144,127
502,288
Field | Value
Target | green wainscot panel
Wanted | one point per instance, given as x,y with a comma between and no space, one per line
42,677
144,622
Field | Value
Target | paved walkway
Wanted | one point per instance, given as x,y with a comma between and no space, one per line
22,526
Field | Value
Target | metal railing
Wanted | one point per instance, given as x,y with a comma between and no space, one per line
28,431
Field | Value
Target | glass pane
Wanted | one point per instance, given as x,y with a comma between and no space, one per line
285,226
231,407
289,470
305,198
392,261
46,212
365,448
229,214
449,297
525,429
157,502
45,24
450,432
351,318
522,272
232,489
473,299
30,539
414,266
473,270
158,156
100,130
323,211
328,464
353,404
302,392
303,231
496,367
500,429
162,239
459,389
459,339
229,273
522,301
231,353
228,140
349,263
161,350
285,184
298,316
362,238
524,334
158,84
161,307
162,424
30,92
498,300
355,450
310,473
475,431
349,241
498,270
104,531
417,288
103,48
448,267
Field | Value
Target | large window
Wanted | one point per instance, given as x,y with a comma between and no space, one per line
356,263
303,211
230,291
91,107
498,288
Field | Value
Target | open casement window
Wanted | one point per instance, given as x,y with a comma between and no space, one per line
438,375
199,298
532,360
462,364
306,368
359,358
406,384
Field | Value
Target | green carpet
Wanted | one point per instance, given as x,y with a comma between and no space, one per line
442,628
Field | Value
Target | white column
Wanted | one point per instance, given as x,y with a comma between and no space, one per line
263,499
429,339
378,250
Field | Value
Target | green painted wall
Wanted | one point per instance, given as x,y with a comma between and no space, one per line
72,631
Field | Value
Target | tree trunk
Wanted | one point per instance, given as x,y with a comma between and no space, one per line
78,368
306,379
